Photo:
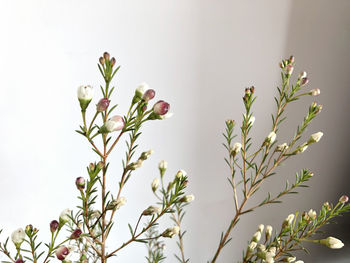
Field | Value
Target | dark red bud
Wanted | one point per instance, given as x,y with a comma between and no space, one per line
62,252
113,61
53,226
149,94
76,234
102,105
80,183
106,55
161,107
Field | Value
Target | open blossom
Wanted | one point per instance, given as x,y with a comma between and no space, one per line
18,237
85,94
291,259
170,232
332,242
316,137
315,92
116,204
282,147
62,252
236,148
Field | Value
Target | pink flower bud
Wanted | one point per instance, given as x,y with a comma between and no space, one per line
62,252
113,61
102,61
102,105
149,94
80,183
344,199
19,261
161,107
116,123
304,81
289,69
76,234
106,55
53,226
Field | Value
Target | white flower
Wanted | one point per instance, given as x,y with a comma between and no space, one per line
18,237
151,210
119,203
282,147
252,246
65,216
155,184
261,247
312,214
260,227
269,257
163,165
85,93
332,243
166,116
251,120
256,236
273,250
288,221
316,137
142,88
291,259
170,232
271,137
116,123
236,147
181,173
315,92
268,231
188,198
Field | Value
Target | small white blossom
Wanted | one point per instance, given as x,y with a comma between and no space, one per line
151,210
140,90
18,237
119,202
64,216
269,257
187,198
315,92
261,228
256,236
291,259
163,165
302,148
332,242
302,75
271,137
268,231
252,246
288,221
312,214
236,148
316,137
170,232
261,247
85,93
282,147
155,184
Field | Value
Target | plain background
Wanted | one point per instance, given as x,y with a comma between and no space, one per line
199,56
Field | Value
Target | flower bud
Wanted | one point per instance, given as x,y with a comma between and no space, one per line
18,237
236,148
301,148
288,221
261,228
140,90
53,226
102,60
62,252
29,230
181,173
302,75
166,116
312,214
187,198
252,246
116,123
282,147
151,210
19,261
76,233
116,204
315,92
344,199
155,184
327,206
256,236
332,242
136,165
290,259
289,69
163,165
106,55
80,183
102,105
113,61
316,137
261,247
270,138
148,95
64,217
268,232
161,107
170,232
85,94
145,155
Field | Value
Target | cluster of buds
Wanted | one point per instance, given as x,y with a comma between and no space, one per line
248,94
105,60
144,156
116,123
288,65
106,66
170,232
282,147
316,108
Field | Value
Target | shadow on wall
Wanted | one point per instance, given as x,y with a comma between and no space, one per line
319,38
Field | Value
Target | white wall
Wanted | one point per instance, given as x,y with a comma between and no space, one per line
199,56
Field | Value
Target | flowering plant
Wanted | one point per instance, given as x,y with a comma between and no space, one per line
90,226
